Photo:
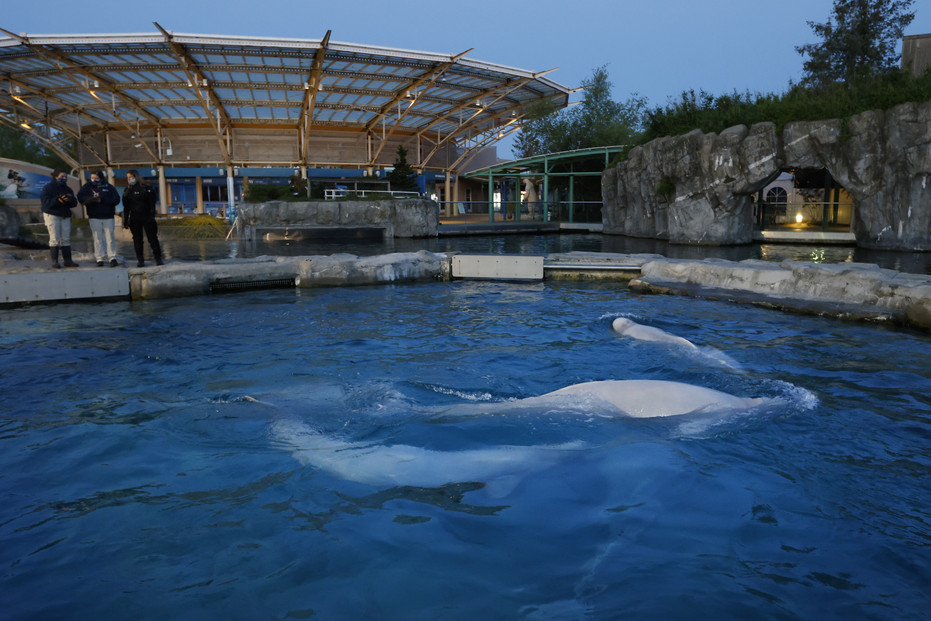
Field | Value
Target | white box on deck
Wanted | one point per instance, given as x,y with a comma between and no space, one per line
497,267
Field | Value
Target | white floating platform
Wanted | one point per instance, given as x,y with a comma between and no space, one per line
64,284
497,267
805,237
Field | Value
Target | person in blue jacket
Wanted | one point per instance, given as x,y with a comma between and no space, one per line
100,200
57,200
139,216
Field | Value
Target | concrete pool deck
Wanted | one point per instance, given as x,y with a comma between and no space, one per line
855,291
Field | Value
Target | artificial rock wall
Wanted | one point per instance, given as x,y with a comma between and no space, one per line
399,218
697,188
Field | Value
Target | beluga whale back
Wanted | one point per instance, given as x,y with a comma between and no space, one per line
634,330
644,398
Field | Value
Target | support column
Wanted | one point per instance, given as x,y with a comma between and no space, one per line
162,192
518,186
491,198
230,194
546,190
199,194
836,202
449,198
572,193
825,214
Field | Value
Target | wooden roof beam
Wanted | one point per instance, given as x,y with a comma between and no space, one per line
100,83
313,86
201,87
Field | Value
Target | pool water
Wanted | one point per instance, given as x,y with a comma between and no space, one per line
362,453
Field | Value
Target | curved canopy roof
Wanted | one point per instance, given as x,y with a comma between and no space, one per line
184,99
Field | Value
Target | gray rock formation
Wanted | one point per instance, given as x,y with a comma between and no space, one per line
398,218
697,188
9,222
845,290
178,279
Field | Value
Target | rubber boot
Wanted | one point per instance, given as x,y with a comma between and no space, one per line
66,255
53,250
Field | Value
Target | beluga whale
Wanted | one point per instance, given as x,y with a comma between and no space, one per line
628,327
642,398
389,465
632,329
619,398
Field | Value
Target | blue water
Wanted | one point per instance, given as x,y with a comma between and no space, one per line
160,460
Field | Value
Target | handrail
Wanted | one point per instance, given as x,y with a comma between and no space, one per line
331,193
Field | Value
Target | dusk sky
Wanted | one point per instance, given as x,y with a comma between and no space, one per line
654,48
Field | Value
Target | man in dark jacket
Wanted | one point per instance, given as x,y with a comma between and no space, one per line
100,200
139,216
57,200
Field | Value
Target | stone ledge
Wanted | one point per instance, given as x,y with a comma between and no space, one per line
853,291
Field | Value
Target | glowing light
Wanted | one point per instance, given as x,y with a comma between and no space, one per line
798,218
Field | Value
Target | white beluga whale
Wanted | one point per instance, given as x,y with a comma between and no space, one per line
634,330
643,398
620,398
387,465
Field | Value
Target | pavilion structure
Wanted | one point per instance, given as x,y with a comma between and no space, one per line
219,109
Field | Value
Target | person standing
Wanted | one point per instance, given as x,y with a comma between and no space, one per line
139,216
57,199
100,199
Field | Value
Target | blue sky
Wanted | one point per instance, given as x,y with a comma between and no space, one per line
655,48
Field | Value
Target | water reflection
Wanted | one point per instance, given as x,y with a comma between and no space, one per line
202,250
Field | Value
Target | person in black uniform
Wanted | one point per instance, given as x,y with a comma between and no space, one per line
57,200
100,200
139,216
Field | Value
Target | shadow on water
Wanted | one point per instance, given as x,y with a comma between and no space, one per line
203,250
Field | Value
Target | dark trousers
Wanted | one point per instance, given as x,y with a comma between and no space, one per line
137,226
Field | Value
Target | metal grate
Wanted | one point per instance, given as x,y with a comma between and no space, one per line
231,286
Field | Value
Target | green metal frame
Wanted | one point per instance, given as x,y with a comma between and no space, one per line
540,165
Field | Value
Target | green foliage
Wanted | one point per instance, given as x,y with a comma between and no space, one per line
860,40
835,101
298,186
349,195
596,121
17,145
263,193
202,221
194,227
666,189
403,177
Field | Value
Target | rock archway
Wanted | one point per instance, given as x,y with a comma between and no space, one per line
698,188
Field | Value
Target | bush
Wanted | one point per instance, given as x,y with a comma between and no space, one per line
194,227
836,101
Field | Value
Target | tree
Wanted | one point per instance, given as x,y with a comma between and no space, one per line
860,40
17,145
596,121
403,177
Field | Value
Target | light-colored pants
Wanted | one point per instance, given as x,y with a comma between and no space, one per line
104,246
59,230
